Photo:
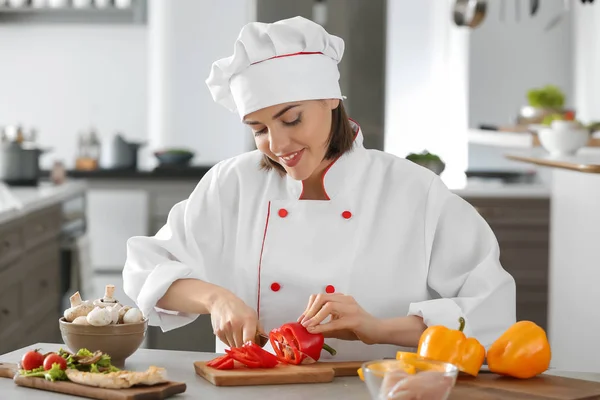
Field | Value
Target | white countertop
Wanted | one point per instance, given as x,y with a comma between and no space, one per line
180,368
585,160
485,188
19,201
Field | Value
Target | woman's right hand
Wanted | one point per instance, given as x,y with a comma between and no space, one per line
233,321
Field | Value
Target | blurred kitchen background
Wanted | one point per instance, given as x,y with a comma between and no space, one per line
106,123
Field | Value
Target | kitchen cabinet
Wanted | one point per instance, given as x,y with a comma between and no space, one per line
114,215
120,209
30,282
522,227
196,336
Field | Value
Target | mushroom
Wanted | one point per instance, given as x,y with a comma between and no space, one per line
108,299
122,312
81,320
78,308
133,316
94,358
99,316
115,312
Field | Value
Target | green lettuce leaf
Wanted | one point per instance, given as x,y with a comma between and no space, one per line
53,374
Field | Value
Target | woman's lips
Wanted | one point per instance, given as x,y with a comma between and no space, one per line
292,159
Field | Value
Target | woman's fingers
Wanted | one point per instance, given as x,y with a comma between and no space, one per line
332,326
249,331
238,337
337,311
230,339
312,308
319,301
311,300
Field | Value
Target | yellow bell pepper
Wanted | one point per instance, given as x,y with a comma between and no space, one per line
522,351
452,346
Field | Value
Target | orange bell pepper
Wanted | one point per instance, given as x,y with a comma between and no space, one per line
452,346
523,351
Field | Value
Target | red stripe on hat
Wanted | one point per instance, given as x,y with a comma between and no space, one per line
302,53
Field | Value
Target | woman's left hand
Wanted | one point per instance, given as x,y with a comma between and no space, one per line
349,321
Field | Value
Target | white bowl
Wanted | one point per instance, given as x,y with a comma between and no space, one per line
559,142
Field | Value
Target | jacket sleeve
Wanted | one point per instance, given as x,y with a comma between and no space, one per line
187,246
465,276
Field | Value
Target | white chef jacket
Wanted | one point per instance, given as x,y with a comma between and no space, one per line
392,236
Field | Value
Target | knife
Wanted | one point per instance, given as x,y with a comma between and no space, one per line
263,339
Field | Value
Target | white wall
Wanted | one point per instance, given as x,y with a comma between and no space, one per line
185,38
145,81
61,79
507,58
586,56
426,78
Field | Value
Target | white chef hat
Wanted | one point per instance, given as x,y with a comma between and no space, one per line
289,60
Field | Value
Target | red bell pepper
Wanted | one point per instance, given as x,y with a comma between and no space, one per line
240,354
300,342
251,355
267,360
222,362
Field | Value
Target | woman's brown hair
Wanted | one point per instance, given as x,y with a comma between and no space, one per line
340,140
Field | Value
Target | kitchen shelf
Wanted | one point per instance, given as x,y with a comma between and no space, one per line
134,15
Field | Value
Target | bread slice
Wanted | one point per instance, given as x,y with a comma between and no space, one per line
118,380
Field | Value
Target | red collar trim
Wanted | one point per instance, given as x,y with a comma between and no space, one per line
331,165
301,53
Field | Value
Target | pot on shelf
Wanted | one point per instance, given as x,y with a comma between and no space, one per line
19,163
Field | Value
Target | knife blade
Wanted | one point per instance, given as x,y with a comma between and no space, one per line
306,359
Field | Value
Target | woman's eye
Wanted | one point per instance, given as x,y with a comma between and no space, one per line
294,122
261,132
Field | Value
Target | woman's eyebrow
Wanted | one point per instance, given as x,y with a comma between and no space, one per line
277,115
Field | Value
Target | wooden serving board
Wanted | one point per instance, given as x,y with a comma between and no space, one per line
488,386
319,372
157,392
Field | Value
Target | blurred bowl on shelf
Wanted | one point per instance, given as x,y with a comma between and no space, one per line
176,157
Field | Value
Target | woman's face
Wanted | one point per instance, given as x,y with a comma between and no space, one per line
294,134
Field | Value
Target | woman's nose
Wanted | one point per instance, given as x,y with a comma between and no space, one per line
279,142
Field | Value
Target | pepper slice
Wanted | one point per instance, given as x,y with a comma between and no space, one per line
227,363
241,355
300,341
222,362
267,360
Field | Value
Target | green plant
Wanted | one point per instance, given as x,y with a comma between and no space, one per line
423,156
548,96
548,119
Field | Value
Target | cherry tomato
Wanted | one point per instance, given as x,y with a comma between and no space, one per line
54,358
31,360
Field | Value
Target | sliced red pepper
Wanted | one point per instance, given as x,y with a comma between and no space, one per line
216,361
226,364
301,342
241,355
275,338
267,359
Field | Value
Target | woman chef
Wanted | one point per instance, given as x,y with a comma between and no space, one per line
363,246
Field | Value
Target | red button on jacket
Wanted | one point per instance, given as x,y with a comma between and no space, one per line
275,286
330,289
283,212
347,214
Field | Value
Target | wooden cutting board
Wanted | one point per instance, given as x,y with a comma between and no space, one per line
319,372
157,392
488,386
